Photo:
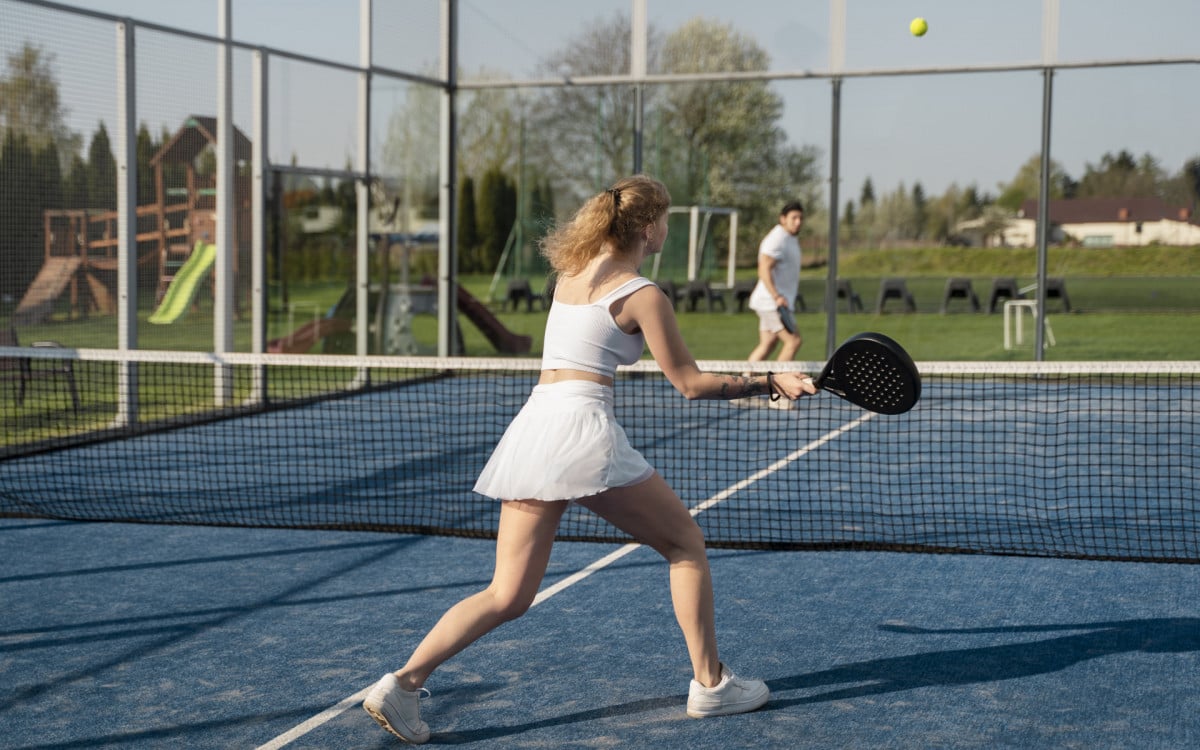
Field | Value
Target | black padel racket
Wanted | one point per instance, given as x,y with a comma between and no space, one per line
787,318
874,372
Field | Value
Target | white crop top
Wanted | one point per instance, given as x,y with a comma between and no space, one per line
585,337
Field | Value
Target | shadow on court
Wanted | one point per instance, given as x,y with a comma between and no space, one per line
163,637
136,636
616,711
183,735
992,663
934,669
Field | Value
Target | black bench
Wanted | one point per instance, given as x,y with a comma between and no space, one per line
894,288
960,289
1003,288
698,290
846,291
519,291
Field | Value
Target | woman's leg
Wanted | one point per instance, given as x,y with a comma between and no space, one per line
791,345
652,513
766,344
523,543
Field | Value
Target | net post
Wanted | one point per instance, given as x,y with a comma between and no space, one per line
834,176
226,234
127,189
258,235
731,269
448,198
637,69
362,191
693,232
1043,222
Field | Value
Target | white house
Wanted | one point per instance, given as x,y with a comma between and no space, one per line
1096,222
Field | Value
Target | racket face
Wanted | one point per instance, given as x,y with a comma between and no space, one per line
872,371
787,318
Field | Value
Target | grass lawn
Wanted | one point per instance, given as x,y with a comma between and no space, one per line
951,337
1126,304
1121,319
1132,317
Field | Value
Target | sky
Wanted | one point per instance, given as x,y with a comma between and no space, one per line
896,130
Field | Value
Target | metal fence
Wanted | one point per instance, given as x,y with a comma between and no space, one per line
302,164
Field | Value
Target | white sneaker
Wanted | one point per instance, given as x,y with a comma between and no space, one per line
732,695
783,402
397,710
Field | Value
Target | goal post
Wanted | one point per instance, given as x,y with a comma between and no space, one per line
700,236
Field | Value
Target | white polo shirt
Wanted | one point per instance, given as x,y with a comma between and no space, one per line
785,249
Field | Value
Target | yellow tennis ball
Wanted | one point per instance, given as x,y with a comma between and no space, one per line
918,27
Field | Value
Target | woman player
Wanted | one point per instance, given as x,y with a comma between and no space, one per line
566,446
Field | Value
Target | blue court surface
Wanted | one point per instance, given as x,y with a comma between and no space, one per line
145,636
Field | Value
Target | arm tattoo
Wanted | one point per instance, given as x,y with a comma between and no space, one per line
739,386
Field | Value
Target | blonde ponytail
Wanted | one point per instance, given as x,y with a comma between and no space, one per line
615,216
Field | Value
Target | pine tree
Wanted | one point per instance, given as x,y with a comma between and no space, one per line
102,171
496,210
468,228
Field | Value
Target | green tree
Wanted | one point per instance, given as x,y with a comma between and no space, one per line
496,211
944,212
542,206
867,194
410,153
75,184
20,215
1025,184
1121,175
46,193
849,225
970,204
1192,171
920,212
731,149
893,217
146,148
102,171
29,103
47,178
468,226
708,117
996,219
724,140
490,122
584,134
1184,188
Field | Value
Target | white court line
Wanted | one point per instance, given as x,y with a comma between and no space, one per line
333,712
307,726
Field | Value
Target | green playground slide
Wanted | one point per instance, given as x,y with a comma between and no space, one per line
183,287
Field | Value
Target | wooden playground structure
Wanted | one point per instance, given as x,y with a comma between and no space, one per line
81,244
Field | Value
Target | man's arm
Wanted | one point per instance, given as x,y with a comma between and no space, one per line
766,268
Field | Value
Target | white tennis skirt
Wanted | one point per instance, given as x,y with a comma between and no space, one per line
564,444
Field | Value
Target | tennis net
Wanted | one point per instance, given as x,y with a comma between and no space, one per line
1087,460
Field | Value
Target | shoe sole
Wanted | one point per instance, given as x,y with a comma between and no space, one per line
749,402
753,402
730,710
383,722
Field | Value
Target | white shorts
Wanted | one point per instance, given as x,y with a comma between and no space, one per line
769,321
564,444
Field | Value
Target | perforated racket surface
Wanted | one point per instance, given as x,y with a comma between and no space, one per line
872,371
